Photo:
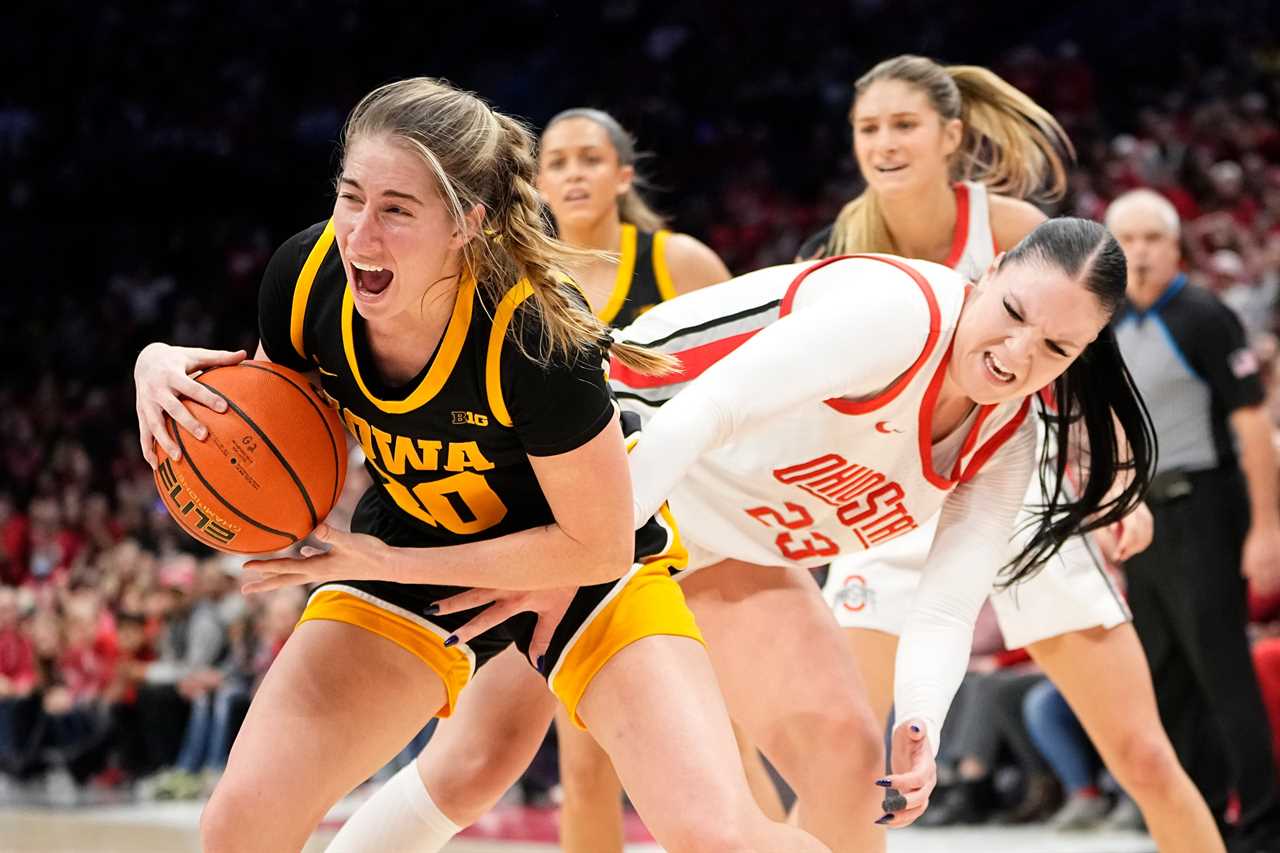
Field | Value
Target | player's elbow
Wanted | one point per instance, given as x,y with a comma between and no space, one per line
606,557
602,555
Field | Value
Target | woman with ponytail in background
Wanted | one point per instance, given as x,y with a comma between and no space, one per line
436,289
950,156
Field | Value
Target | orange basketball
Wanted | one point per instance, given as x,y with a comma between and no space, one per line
270,469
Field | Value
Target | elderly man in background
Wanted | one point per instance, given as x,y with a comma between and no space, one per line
1217,521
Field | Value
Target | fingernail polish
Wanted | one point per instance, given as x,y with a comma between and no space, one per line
885,819
452,641
431,610
883,783
915,728
542,659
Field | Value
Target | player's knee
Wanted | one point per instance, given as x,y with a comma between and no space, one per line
587,772
709,836
834,750
240,818
851,736
225,822
1145,761
471,782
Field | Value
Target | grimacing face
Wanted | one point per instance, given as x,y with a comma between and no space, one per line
579,173
393,231
901,142
1021,328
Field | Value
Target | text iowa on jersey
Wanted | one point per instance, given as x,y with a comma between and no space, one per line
397,453
867,502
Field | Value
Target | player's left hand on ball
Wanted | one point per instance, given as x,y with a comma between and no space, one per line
501,605
907,790
350,556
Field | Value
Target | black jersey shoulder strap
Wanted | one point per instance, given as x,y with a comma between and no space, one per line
493,357
302,288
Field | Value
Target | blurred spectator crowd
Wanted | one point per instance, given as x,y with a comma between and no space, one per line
145,189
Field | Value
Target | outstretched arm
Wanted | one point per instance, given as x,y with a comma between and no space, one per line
971,545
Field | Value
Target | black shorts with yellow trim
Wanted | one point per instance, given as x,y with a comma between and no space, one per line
600,621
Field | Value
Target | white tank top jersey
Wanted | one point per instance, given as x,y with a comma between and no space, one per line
813,440
843,470
973,245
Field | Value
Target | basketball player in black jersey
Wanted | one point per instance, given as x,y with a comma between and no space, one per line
587,174
432,312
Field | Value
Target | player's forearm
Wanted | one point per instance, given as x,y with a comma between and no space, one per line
544,557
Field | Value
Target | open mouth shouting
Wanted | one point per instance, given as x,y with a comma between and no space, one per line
996,369
370,280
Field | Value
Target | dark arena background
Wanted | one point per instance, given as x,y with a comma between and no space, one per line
153,155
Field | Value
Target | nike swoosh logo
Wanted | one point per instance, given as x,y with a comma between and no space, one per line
883,426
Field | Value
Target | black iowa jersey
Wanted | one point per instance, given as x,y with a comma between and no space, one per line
643,279
449,448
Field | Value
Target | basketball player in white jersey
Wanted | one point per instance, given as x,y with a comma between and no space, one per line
823,409
917,127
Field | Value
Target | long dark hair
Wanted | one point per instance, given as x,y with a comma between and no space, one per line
1093,396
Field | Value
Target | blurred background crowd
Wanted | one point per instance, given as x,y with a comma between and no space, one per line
150,162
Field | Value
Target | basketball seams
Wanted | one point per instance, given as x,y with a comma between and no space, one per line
195,469
333,439
297,481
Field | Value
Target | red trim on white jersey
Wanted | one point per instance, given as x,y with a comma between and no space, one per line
862,407
693,363
925,434
996,442
959,237
970,440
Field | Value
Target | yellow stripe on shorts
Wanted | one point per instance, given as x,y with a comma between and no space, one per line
453,665
646,603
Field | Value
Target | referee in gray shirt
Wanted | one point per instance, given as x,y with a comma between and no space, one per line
1217,521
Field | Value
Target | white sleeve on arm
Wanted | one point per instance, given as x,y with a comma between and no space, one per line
851,332
971,545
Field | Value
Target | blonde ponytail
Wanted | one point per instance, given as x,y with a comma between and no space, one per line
1010,143
481,157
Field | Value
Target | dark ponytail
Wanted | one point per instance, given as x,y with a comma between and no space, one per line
1094,395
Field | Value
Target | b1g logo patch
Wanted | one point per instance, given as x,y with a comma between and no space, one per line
470,418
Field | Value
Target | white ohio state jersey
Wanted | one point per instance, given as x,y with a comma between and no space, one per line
843,460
